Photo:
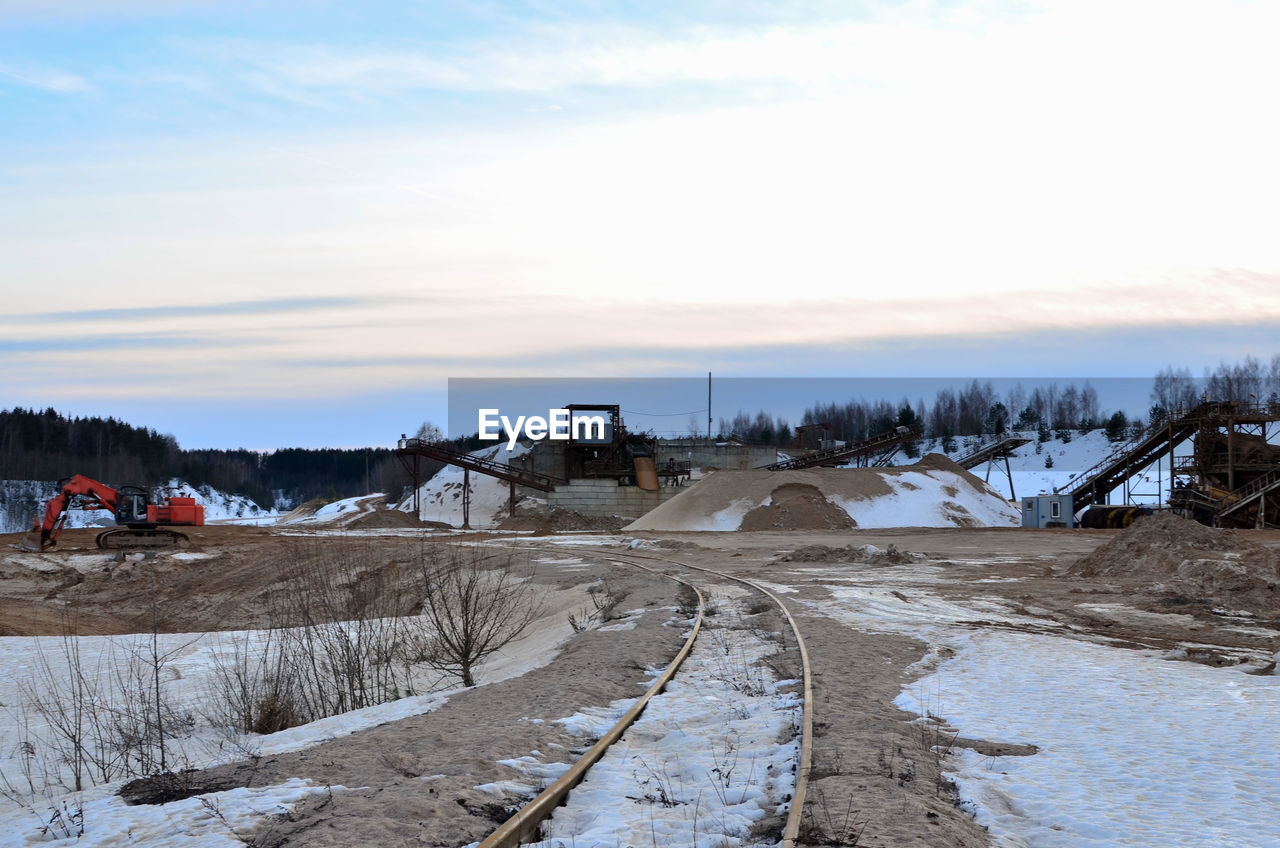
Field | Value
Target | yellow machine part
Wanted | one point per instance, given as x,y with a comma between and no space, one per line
646,474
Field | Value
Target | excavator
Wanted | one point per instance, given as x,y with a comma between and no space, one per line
142,523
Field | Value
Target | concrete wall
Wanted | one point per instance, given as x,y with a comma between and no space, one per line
605,497
728,457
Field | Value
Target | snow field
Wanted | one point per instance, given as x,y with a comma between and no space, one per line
212,820
709,757
189,677
1135,749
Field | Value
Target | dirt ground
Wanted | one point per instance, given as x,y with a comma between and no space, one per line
412,782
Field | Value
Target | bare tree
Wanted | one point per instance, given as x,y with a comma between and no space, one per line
473,604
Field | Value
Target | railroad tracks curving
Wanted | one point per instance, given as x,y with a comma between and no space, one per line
524,824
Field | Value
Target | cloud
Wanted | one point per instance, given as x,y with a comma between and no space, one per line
104,343
1084,56
47,80
228,308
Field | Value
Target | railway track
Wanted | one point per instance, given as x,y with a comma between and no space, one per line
524,825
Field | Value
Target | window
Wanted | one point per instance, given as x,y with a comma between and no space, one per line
1055,509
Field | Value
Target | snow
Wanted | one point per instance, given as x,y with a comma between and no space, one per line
1134,749
189,677
440,498
338,513
929,499
699,767
213,819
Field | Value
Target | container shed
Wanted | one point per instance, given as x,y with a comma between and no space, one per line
1047,511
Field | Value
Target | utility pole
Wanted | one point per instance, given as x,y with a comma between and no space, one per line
708,406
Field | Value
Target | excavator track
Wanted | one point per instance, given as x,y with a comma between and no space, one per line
128,538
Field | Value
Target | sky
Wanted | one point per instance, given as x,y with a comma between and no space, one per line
267,225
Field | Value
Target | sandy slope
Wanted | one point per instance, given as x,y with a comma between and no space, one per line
934,492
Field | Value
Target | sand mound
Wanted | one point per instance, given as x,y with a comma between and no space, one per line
386,518
933,493
545,521
850,553
1182,557
796,506
303,510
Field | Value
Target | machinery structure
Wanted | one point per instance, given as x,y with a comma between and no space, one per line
1230,478
144,523
873,450
615,453
991,453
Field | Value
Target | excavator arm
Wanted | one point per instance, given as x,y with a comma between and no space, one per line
98,495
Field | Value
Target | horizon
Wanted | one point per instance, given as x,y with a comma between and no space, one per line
786,400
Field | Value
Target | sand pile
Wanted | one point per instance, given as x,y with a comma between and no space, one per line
303,510
934,492
388,518
797,505
851,553
544,521
1182,557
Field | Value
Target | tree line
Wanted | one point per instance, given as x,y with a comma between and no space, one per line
46,445
977,409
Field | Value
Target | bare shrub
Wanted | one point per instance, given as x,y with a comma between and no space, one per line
336,643
473,604
823,825
604,600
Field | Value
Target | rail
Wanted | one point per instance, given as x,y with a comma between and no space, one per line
526,821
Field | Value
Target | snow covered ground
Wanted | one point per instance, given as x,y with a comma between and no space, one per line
1134,748
189,676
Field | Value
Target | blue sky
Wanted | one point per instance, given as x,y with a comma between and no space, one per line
281,224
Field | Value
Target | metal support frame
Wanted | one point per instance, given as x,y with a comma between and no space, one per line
466,498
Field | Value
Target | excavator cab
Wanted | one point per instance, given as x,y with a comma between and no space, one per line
131,507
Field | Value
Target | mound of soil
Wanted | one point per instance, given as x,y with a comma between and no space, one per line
390,518
1182,557
850,553
303,510
543,522
797,506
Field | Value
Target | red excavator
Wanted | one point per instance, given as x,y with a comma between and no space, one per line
142,522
